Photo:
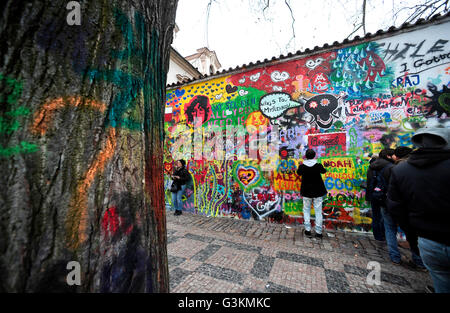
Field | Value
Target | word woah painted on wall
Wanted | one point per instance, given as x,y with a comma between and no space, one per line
244,134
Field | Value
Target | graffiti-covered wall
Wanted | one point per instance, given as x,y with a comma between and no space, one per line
244,134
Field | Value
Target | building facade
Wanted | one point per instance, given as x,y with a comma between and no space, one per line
180,70
205,61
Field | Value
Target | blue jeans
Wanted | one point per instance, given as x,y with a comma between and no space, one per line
377,221
317,202
177,202
436,257
390,228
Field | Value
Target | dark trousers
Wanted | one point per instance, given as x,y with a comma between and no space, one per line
412,239
377,221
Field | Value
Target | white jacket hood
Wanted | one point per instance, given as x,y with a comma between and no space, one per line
310,163
432,137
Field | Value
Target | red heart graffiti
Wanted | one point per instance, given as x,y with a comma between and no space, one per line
246,175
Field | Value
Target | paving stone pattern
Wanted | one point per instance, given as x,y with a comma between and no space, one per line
222,255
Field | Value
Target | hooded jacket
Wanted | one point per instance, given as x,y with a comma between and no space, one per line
418,195
184,175
377,165
312,184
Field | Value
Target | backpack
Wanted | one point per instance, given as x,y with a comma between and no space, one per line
379,185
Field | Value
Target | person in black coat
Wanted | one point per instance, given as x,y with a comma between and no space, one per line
312,190
401,154
384,161
180,178
418,198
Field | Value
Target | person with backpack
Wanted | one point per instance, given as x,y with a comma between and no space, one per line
376,190
312,190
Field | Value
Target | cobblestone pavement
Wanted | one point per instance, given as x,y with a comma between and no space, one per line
223,255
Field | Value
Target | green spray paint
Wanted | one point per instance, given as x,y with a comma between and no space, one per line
123,112
9,122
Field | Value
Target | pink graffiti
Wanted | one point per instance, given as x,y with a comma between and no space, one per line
373,135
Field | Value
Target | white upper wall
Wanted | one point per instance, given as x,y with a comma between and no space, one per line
175,69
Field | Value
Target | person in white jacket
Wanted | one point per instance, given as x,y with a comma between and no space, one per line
312,190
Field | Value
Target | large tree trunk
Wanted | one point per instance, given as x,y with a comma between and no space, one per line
81,145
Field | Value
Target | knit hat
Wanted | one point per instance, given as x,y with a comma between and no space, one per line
402,151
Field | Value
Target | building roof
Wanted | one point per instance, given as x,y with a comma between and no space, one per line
336,45
205,51
185,64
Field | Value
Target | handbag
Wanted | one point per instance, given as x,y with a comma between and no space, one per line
174,187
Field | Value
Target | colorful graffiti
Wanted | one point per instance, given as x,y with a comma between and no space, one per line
10,121
347,104
137,78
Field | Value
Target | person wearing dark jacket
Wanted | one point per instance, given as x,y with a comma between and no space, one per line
391,224
180,178
401,154
312,190
384,161
418,198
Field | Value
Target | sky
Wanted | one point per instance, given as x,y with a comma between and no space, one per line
240,33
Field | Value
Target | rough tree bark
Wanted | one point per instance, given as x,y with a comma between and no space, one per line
81,145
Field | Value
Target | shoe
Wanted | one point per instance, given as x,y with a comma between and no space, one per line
177,213
396,262
429,289
417,267
308,233
421,269
319,236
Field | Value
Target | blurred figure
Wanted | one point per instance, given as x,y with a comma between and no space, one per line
418,199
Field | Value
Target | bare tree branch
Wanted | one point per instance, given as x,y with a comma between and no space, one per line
293,21
355,30
437,8
208,10
420,10
267,5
